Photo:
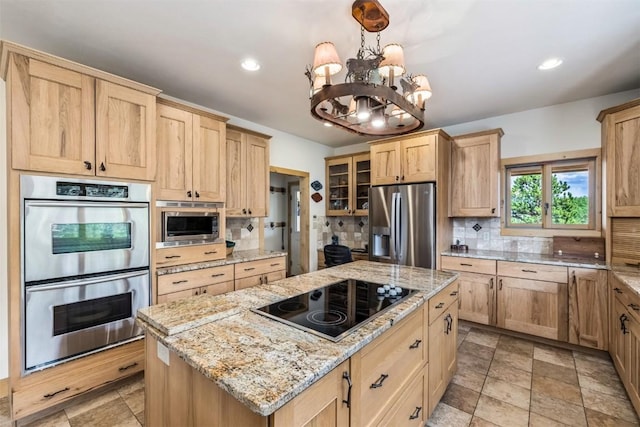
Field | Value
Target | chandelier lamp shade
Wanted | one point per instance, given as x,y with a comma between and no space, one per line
368,102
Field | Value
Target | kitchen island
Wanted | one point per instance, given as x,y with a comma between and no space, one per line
211,360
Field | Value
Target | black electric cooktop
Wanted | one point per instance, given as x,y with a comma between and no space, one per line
336,309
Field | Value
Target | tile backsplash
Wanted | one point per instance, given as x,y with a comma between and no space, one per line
484,234
352,231
243,231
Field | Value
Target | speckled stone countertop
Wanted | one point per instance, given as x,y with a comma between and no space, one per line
234,258
262,362
628,275
532,258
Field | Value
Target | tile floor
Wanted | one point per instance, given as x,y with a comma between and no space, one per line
501,381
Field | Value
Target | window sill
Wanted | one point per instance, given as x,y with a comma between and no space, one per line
548,232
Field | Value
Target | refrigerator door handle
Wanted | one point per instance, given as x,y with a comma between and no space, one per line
398,225
392,228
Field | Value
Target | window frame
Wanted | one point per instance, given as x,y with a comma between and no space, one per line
547,164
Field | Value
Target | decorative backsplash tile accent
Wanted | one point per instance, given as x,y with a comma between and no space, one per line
477,227
351,231
488,237
340,223
250,227
240,230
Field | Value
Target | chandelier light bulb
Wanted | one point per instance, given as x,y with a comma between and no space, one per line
362,108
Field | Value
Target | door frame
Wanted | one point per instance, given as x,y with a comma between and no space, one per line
304,212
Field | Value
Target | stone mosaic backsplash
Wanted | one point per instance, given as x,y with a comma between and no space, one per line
484,234
243,231
351,231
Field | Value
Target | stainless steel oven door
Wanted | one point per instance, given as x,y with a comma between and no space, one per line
73,238
76,317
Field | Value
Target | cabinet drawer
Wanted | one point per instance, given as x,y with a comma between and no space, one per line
411,408
274,275
628,298
523,270
261,266
61,383
471,265
387,364
190,254
439,303
176,282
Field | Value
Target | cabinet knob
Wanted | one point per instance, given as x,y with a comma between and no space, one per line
249,211
197,195
102,167
244,211
87,165
397,178
493,210
402,178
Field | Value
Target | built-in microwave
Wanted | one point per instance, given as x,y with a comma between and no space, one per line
190,223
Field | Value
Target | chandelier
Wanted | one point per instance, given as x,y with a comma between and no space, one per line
368,102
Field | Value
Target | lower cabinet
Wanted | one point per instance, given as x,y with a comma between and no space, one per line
260,272
624,341
211,281
588,297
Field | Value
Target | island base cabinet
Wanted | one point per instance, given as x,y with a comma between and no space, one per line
411,408
443,361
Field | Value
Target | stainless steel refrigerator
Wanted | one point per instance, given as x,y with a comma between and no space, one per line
402,224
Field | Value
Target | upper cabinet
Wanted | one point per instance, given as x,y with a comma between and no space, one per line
621,143
247,173
405,159
348,180
191,154
475,175
65,120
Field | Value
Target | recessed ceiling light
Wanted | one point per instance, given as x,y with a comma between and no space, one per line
250,64
550,64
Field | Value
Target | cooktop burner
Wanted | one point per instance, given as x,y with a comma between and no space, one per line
336,309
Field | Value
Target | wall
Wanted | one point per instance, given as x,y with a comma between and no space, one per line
4,333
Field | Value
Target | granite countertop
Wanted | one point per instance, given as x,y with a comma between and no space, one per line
629,275
234,258
262,362
532,258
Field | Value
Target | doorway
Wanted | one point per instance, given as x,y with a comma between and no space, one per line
287,227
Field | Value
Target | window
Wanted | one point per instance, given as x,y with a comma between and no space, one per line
552,195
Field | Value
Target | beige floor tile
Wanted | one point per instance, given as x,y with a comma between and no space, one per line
135,400
537,420
594,367
87,405
59,419
487,338
595,418
476,350
507,392
514,360
556,372
134,383
558,410
602,358
609,405
468,378
516,345
553,355
446,416
503,371
607,384
501,413
461,398
463,326
140,417
470,362
556,389
114,413
479,422
461,338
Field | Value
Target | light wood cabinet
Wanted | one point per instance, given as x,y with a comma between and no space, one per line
624,338
443,341
348,179
191,154
532,298
247,180
588,313
65,121
411,159
621,144
206,281
411,408
260,272
167,257
475,175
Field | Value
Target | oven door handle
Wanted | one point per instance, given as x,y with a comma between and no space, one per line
81,204
84,282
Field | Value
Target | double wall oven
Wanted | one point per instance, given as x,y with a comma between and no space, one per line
85,266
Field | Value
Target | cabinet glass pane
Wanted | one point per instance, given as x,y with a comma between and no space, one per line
363,180
339,187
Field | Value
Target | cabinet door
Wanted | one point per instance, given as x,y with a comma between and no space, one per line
477,298
475,175
360,184
274,275
209,159
125,132
248,282
623,157
634,362
588,308
533,307
177,295
236,176
619,346
52,113
339,175
175,143
257,170
385,163
443,334
418,159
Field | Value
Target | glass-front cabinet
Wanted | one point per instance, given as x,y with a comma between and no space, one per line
348,180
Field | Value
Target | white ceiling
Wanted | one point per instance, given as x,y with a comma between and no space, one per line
480,55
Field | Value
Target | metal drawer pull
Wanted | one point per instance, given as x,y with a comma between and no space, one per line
500,285
529,271
635,307
618,291
249,269
345,376
491,283
440,305
211,252
124,368
453,294
50,395
466,265
179,281
416,413
217,275
275,264
416,344
623,327
172,256
378,383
